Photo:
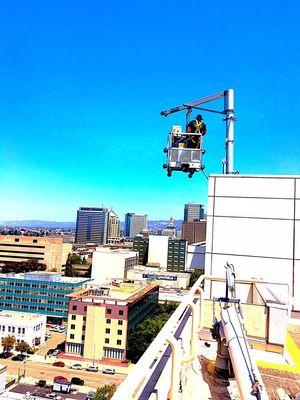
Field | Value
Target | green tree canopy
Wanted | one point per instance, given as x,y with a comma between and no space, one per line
106,392
143,333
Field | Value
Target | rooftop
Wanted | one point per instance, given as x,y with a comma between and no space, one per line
18,317
115,290
44,276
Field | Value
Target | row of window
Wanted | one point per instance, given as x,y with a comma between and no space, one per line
119,342
25,307
38,285
108,310
12,329
33,300
31,293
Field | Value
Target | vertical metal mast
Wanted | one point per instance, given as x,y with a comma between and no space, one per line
229,142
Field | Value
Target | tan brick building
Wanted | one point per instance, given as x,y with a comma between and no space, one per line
47,250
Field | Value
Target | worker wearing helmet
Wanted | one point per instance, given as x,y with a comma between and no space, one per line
196,126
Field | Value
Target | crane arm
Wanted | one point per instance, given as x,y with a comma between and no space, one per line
193,103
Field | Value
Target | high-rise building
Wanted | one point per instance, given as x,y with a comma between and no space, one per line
134,224
91,225
127,224
113,227
161,251
50,251
194,231
141,245
193,212
177,255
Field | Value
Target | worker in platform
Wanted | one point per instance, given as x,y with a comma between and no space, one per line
196,126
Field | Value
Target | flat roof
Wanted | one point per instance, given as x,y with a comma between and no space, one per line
34,275
126,291
18,316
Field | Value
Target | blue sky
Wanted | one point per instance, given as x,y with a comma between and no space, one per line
82,85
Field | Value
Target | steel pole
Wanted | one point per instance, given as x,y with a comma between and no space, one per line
229,143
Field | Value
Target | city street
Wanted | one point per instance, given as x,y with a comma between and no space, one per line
37,370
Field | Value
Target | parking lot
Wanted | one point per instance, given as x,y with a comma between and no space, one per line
52,343
45,392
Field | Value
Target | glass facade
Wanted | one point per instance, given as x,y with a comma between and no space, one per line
37,295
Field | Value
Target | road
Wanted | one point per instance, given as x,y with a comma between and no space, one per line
37,370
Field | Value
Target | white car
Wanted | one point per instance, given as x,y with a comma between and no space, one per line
76,366
92,368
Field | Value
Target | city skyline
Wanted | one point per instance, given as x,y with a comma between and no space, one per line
82,91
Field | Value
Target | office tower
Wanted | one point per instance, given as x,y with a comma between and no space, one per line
91,225
51,251
177,255
194,231
127,224
113,226
193,212
141,245
161,251
134,224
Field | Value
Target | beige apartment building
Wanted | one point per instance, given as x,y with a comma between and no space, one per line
47,250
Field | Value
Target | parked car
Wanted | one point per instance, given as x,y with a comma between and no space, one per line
5,354
109,371
76,366
50,352
58,364
41,383
55,352
90,395
19,357
77,381
60,378
92,368
48,335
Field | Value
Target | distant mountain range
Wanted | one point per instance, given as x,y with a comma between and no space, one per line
38,224
153,225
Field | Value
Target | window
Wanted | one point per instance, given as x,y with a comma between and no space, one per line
9,329
17,240
73,317
108,320
121,312
74,308
119,341
119,332
107,330
106,340
72,326
120,322
19,331
85,308
108,311
34,241
82,337
84,318
72,336
83,328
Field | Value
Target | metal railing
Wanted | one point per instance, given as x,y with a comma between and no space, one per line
192,304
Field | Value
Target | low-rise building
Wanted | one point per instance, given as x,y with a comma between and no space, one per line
25,327
176,280
38,292
100,318
51,251
112,263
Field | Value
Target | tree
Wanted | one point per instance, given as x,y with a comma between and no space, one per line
195,275
106,392
8,342
143,333
22,347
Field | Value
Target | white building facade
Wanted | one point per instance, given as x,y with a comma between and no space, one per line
158,251
253,222
26,327
112,263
